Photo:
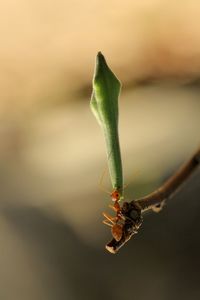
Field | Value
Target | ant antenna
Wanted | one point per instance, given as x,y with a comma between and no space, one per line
102,177
101,181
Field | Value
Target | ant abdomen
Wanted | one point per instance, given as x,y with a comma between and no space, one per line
117,232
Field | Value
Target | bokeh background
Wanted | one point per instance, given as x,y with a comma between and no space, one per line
52,151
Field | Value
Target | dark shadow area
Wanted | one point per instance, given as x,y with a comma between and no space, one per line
161,262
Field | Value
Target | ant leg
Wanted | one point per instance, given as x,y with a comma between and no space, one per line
110,219
106,222
116,207
119,214
112,206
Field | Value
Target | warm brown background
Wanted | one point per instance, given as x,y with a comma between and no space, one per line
52,151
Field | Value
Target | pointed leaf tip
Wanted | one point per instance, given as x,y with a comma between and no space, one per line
100,65
100,58
103,73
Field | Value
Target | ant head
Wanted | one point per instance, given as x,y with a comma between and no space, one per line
115,195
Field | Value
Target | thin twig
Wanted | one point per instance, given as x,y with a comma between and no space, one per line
172,185
132,211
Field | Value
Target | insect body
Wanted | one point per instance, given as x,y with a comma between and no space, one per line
116,222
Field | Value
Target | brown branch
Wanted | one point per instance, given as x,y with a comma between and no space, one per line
132,211
172,185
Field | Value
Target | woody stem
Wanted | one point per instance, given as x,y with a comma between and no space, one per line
172,185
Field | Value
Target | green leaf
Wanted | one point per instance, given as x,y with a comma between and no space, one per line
104,104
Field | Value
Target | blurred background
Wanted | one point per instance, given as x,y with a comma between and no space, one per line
52,151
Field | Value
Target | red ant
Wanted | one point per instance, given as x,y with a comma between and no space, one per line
114,222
